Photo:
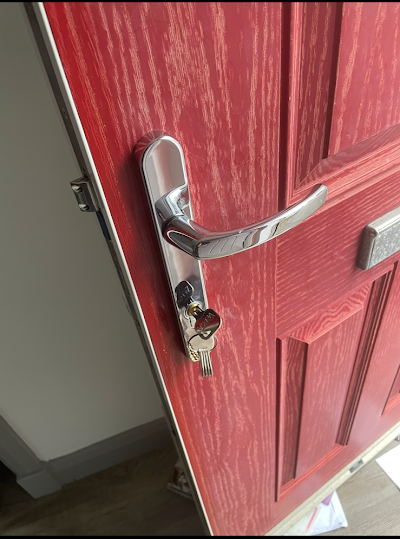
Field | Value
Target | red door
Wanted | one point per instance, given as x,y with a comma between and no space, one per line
267,100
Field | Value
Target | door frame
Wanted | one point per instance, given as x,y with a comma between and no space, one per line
42,35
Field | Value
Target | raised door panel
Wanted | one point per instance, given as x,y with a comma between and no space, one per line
343,112
378,406
366,100
315,27
330,361
315,367
329,412
394,395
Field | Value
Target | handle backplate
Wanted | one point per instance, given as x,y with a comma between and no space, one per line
163,170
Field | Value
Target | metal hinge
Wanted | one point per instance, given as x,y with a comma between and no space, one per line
85,195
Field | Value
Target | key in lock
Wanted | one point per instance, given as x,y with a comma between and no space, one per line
206,324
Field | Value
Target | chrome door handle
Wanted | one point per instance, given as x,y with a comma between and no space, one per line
184,243
204,244
181,231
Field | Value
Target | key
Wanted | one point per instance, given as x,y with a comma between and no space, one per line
200,352
207,323
184,294
205,362
203,322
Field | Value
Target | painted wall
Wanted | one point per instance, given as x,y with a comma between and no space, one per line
72,368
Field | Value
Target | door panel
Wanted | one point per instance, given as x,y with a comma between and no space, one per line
322,370
328,373
368,74
266,101
314,385
343,107
381,352
380,290
316,34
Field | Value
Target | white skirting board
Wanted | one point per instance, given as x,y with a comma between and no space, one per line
40,478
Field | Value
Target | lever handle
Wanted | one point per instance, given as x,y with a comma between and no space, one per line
166,159
204,244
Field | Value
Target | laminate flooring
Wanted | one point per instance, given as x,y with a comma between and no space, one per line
371,501
132,499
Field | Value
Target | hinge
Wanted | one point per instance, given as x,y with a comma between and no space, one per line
84,194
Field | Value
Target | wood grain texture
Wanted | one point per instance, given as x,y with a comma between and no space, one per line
218,78
329,365
208,74
376,305
333,316
291,389
315,48
343,71
364,416
383,368
324,268
355,167
296,417
366,100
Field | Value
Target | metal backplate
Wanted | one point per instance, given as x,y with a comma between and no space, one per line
163,169
381,239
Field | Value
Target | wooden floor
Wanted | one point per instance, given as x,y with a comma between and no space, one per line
131,499
371,501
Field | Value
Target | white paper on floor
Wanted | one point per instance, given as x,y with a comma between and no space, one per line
326,517
390,463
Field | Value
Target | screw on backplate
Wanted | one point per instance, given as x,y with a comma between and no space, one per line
84,207
77,188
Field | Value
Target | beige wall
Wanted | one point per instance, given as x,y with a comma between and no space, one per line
72,369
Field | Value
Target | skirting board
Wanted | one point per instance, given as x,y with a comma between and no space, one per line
112,451
32,474
40,478
335,482
39,483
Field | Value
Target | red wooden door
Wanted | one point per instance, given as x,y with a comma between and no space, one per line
267,100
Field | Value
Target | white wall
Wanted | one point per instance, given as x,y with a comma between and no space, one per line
72,369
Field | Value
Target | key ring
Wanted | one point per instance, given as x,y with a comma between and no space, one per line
201,349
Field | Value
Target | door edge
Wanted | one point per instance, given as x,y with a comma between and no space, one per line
39,24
